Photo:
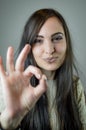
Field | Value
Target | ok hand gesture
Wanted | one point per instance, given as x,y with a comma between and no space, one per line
19,94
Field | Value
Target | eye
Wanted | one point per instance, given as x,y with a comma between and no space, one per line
57,38
38,41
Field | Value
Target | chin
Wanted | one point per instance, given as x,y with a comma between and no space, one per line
51,68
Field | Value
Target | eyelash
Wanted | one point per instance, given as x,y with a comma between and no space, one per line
38,41
56,39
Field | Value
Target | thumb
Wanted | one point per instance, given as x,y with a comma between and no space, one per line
41,88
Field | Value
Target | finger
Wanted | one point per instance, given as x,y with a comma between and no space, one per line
22,57
41,88
32,70
10,60
2,70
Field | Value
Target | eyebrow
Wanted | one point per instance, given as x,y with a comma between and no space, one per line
57,34
40,36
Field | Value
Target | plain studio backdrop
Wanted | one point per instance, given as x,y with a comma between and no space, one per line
14,14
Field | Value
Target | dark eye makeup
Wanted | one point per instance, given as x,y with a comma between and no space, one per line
37,40
57,37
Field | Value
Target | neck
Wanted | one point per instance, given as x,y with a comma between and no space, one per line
49,74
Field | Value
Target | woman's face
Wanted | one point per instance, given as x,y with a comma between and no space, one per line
50,45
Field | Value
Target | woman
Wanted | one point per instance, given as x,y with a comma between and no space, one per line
41,90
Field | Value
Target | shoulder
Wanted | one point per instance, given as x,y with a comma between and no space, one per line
78,89
80,100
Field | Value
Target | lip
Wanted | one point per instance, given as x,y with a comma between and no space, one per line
50,60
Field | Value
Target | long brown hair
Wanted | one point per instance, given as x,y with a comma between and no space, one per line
38,117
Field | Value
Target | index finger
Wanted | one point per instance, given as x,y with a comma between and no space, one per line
22,57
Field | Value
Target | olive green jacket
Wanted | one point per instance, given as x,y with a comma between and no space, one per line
80,100
80,104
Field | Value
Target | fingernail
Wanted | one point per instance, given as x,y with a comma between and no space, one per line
39,76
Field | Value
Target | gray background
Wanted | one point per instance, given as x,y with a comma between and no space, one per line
14,13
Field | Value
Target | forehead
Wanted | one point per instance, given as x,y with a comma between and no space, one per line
52,25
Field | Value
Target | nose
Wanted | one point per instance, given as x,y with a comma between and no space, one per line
49,47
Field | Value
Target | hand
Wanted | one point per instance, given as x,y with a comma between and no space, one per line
19,94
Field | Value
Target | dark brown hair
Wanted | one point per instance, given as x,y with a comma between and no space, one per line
38,117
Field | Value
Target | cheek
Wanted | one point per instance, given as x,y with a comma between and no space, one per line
61,49
36,51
